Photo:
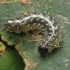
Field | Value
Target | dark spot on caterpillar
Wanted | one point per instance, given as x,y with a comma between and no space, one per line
48,27
30,31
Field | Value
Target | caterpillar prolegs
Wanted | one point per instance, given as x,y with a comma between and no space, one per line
49,27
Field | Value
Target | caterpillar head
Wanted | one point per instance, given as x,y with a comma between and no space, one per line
43,50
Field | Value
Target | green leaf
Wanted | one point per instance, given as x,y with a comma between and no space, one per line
60,58
10,60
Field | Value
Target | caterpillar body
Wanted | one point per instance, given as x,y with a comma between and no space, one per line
49,27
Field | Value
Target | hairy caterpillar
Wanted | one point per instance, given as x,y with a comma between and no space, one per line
48,26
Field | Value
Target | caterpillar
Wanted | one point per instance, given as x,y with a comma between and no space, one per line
46,24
